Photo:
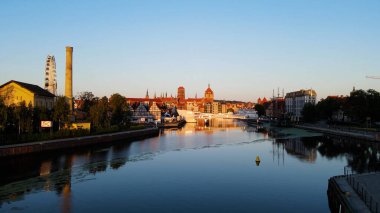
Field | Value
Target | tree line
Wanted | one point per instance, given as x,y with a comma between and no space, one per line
102,113
360,107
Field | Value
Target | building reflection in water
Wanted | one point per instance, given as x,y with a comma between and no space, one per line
58,171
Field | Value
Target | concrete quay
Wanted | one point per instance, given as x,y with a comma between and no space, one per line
41,146
355,193
350,134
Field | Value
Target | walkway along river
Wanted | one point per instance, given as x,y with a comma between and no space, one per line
194,169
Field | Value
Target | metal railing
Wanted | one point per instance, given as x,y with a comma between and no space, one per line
361,190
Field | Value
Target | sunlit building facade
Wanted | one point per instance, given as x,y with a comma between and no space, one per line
15,92
295,101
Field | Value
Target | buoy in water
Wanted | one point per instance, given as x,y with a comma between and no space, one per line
257,161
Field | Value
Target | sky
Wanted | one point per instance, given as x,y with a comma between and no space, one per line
243,49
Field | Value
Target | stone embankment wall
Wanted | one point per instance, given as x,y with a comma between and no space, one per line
356,135
41,146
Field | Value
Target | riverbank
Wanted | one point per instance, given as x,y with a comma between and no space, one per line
338,132
49,145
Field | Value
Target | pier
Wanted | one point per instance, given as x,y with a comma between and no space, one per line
355,193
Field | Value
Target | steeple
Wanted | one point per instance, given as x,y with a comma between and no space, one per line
147,94
155,95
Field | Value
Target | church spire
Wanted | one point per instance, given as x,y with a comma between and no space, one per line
147,94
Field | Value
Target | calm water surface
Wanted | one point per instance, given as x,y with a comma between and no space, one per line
194,169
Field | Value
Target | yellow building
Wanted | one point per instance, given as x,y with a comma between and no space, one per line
14,92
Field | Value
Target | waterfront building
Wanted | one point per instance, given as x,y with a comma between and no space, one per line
192,106
207,107
51,75
207,104
224,108
155,111
14,92
181,105
295,101
209,95
216,107
141,115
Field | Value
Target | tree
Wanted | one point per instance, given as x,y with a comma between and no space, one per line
99,113
87,100
260,109
61,111
118,107
3,115
309,112
24,114
328,106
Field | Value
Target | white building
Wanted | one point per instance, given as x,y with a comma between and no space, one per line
295,101
50,75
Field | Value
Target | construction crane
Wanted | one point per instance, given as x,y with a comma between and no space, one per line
373,77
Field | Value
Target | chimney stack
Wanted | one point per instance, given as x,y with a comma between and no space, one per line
69,77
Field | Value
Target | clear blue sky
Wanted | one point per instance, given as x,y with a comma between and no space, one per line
244,49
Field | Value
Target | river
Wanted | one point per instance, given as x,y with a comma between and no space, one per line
197,168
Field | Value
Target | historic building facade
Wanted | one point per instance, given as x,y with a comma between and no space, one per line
15,92
206,104
295,101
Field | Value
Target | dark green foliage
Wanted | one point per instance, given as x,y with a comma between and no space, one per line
260,109
87,101
61,111
119,109
327,107
309,113
364,104
99,114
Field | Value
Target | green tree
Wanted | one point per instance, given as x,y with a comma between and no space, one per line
328,106
118,107
87,100
358,105
99,113
373,99
260,109
61,111
23,115
40,114
3,115
309,112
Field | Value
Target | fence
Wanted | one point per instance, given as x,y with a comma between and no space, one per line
361,190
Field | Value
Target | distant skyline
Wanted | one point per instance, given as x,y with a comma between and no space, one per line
244,49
